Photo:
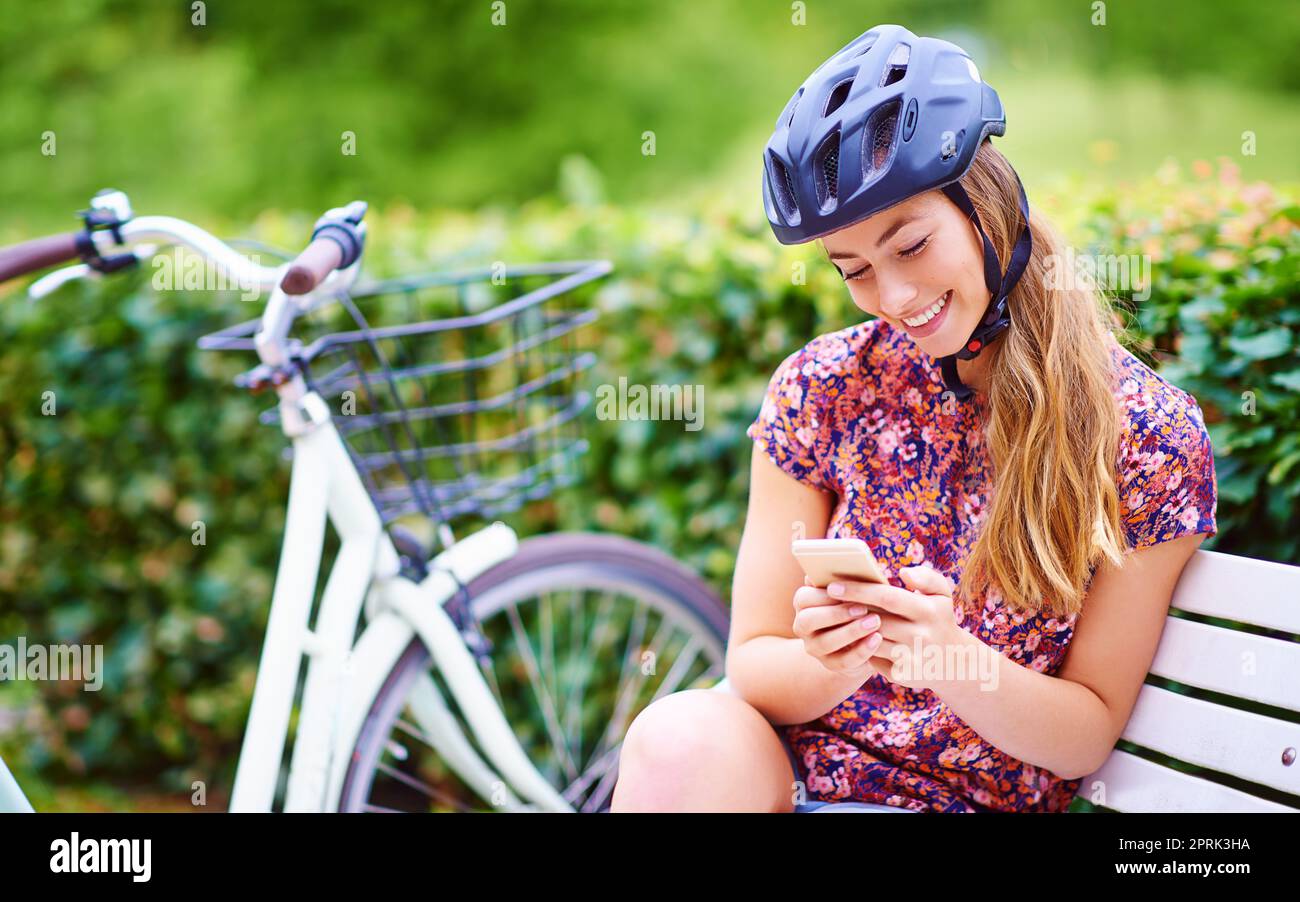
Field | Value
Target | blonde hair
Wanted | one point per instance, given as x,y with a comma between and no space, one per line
1053,425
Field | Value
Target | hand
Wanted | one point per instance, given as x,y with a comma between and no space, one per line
917,624
843,636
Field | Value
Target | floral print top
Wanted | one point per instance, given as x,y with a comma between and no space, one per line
861,413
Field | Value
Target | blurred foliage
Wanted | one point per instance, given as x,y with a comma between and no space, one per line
100,499
1221,322
248,110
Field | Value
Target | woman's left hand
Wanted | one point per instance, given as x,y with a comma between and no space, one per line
917,625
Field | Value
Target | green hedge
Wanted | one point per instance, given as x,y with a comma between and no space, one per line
1221,322
149,436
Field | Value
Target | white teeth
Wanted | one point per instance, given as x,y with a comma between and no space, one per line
922,318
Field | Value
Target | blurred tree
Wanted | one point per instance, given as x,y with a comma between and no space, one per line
253,108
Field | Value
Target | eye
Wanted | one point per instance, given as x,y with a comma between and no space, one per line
910,252
916,248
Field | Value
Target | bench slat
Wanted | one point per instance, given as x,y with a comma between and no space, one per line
1134,784
1224,739
1262,593
1215,658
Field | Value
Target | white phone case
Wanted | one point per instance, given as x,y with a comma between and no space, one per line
825,560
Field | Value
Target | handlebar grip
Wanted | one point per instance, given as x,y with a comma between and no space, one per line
37,254
312,266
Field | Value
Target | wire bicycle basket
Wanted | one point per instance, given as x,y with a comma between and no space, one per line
456,394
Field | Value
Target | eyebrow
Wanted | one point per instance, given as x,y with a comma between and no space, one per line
889,233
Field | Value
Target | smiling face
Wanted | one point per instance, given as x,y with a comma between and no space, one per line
904,262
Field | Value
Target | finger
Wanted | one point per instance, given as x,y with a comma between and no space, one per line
885,650
878,595
823,617
837,639
856,654
811,596
895,628
927,580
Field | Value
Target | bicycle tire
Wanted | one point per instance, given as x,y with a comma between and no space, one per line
602,557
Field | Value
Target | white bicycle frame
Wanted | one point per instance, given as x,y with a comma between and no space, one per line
343,678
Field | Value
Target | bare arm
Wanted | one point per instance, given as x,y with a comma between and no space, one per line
1070,722
766,664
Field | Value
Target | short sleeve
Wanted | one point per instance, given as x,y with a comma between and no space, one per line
1168,481
790,428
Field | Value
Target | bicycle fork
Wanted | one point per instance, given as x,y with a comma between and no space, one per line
473,697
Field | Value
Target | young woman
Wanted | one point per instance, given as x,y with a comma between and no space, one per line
1031,489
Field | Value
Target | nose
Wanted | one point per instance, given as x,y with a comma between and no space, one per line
897,295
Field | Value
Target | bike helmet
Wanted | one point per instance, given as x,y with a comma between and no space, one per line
889,116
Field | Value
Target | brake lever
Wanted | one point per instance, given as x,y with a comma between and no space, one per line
52,282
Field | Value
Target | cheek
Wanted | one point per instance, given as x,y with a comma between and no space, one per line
974,268
863,299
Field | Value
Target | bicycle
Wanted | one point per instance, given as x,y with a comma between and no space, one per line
476,625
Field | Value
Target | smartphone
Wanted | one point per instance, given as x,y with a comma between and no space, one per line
826,560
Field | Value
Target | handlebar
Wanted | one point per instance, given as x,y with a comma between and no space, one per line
312,266
38,253
329,263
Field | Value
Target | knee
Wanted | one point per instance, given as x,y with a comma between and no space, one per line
701,750
676,733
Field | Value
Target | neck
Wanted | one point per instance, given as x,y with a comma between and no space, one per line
974,373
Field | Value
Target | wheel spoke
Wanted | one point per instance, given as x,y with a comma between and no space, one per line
600,770
681,666
587,659
573,708
627,694
541,693
420,785
547,641
413,731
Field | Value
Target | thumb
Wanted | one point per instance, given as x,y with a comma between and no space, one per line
927,579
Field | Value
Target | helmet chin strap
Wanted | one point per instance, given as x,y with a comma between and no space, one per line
997,317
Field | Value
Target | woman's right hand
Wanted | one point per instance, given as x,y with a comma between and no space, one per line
842,635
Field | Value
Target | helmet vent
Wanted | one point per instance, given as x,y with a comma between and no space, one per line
783,188
787,114
878,141
828,170
896,67
838,96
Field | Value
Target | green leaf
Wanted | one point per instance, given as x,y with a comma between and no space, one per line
1197,350
1263,345
1279,470
1239,488
1289,380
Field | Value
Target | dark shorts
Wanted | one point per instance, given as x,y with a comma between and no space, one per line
833,807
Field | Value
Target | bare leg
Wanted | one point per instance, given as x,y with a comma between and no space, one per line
702,750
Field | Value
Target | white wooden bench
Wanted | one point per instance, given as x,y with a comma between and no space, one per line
1237,663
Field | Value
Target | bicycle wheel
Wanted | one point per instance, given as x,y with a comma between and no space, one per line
573,618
